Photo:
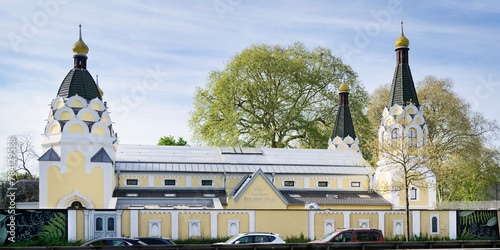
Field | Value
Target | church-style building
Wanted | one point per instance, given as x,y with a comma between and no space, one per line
114,189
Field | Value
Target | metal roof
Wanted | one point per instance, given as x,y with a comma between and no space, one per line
300,197
210,159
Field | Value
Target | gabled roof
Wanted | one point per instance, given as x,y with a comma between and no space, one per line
402,88
50,155
101,156
343,123
248,182
79,82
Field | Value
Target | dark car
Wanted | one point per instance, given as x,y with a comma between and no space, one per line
155,241
114,241
353,235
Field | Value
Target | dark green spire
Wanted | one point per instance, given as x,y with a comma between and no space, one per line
402,88
343,122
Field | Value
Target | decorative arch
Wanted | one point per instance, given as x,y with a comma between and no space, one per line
67,200
57,103
73,122
61,111
96,104
85,114
76,101
100,128
53,127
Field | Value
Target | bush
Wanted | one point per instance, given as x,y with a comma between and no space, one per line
297,239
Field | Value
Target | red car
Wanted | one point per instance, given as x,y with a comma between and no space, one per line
353,235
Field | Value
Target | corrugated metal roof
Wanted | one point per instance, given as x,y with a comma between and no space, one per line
333,197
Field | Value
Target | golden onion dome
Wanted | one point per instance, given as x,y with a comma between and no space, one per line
343,87
100,91
80,47
402,40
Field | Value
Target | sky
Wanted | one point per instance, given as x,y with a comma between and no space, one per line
152,55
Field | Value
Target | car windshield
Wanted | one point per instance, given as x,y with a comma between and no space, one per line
232,239
329,236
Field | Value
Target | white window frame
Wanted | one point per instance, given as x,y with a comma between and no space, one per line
410,193
327,184
361,222
176,182
395,222
138,182
231,222
294,183
193,233
201,183
153,223
360,185
430,223
325,225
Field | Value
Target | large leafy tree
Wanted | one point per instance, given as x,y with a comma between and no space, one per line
275,96
468,165
170,141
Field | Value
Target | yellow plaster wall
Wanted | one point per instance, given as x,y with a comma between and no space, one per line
65,116
299,182
184,224
77,104
196,181
181,181
284,223
76,128
373,217
346,183
319,219
59,104
55,129
166,223
96,106
231,183
259,195
389,223
87,116
89,185
313,183
99,130
80,225
143,180
222,218
422,195
105,120
125,223
425,222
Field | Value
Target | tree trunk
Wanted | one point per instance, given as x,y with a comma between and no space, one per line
407,212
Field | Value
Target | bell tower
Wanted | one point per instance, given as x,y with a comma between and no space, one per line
77,166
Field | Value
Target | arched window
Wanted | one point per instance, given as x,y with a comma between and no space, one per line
394,134
98,224
413,137
111,224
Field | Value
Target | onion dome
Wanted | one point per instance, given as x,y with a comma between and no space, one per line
402,40
80,47
343,87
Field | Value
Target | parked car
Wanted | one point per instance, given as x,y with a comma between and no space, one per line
352,235
255,238
155,241
114,241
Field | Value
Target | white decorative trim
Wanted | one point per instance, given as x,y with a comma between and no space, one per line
134,223
236,224
154,228
416,222
452,224
213,224
194,228
347,219
66,201
328,226
364,222
72,225
395,225
431,216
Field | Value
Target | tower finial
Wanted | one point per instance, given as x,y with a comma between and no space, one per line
402,28
80,31
97,80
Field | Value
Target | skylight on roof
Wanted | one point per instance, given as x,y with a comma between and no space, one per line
209,195
132,195
295,195
169,195
332,196
364,196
